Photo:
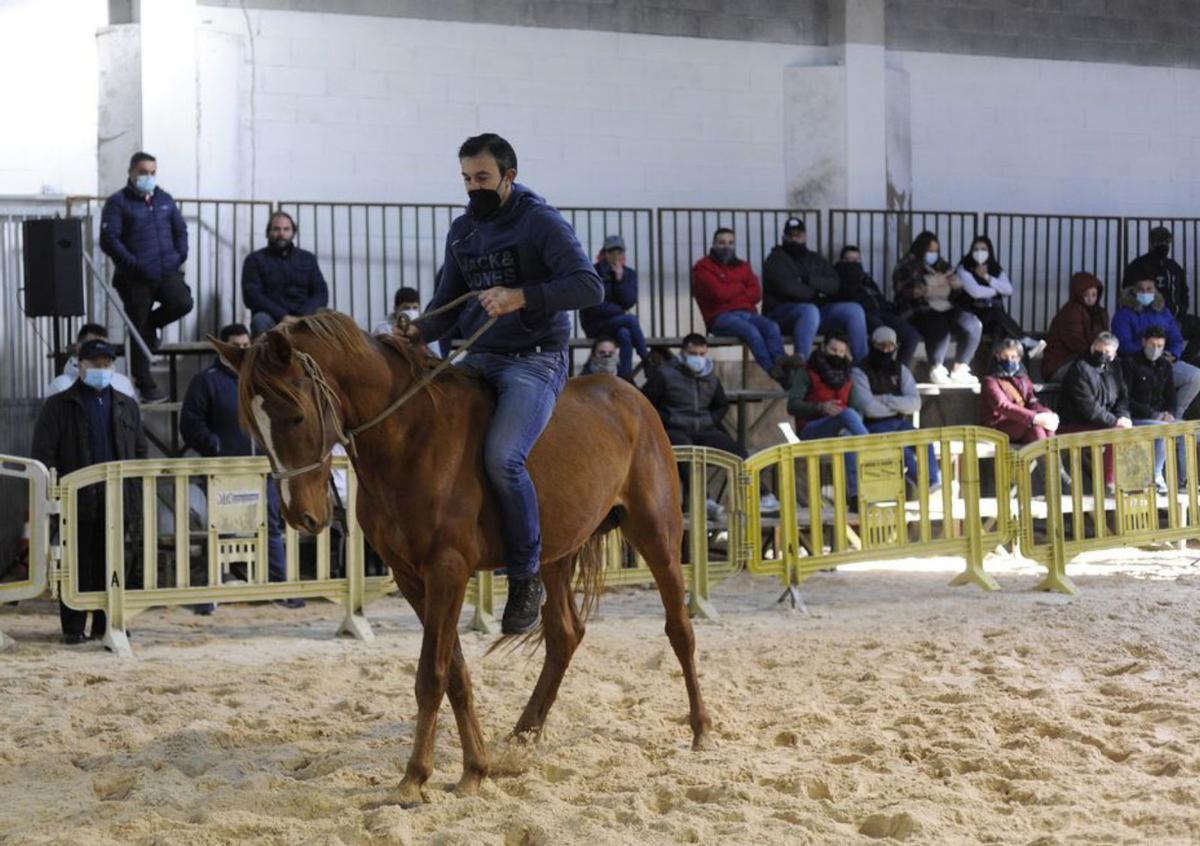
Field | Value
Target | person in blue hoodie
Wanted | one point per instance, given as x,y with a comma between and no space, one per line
208,422
611,318
524,261
143,232
1142,306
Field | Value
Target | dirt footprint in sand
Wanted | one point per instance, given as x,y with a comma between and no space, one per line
896,826
114,788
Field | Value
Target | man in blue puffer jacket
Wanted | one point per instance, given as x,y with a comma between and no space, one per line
143,232
526,263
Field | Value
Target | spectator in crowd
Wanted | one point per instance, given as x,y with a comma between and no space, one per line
90,423
855,285
984,287
209,424
1094,396
1150,382
801,294
692,403
70,375
603,358
728,292
885,396
143,232
406,302
821,396
1008,401
1170,280
925,283
1143,307
611,318
281,282
1075,327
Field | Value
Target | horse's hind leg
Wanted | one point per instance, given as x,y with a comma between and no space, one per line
563,630
462,699
654,525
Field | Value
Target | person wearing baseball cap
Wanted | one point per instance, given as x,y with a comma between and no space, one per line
1171,281
612,318
801,288
91,423
885,394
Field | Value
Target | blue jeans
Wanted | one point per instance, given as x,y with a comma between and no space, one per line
759,333
276,559
831,427
803,320
260,322
527,386
899,424
1160,455
627,332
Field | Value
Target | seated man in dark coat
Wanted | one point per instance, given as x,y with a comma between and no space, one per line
281,282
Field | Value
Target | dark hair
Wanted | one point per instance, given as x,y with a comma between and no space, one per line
837,335
602,339
921,245
97,329
493,144
721,230
849,248
694,339
281,213
231,330
1155,331
139,157
993,266
406,295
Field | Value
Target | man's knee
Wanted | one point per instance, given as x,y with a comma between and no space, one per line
505,468
261,322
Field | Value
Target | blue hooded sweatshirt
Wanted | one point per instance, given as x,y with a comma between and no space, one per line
528,245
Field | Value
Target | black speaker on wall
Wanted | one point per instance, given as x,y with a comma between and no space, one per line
53,267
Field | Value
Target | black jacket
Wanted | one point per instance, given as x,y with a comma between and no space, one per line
857,286
797,279
1093,396
1168,277
686,401
1150,384
283,283
60,441
208,420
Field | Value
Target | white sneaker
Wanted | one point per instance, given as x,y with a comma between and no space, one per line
962,375
939,375
768,504
715,510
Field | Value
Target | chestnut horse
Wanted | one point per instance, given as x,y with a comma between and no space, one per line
427,507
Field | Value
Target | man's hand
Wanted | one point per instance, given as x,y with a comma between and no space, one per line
289,319
498,302
1124,423
831,407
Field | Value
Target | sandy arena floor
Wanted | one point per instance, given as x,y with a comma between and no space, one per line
898,708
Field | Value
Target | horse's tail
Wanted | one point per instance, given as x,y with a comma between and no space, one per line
590,565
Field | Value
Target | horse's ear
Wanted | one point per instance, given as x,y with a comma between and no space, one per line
279,349
229,352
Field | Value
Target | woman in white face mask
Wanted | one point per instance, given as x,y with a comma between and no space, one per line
984,285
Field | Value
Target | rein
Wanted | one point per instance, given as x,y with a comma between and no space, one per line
327,400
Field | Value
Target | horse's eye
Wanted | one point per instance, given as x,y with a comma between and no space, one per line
297,420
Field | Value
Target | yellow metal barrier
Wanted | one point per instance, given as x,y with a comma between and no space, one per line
818,529
235,535
720,472
1057,526
38,506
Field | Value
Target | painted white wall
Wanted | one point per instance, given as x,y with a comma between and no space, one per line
1049,136
49,95
360,108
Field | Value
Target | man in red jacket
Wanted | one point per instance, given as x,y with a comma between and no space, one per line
728,292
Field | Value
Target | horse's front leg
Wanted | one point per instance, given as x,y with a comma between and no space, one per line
445,588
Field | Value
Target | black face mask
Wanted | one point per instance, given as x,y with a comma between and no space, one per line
483,203
1161,250
879,358
792,248
281,245
837,361
1100,359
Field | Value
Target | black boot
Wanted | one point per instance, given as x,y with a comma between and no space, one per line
523,606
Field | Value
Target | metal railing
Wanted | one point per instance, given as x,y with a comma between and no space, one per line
1041,251
685,236
1185,248
883,237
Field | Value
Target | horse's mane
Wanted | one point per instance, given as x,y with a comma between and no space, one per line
336,335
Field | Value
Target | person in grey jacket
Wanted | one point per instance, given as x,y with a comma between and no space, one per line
799,289
886,396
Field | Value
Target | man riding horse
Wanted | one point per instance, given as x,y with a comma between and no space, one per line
529,270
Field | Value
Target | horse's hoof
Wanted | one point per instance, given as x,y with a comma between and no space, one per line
525,736
467,786
410,795
703,743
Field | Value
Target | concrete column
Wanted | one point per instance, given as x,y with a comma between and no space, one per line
148,98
